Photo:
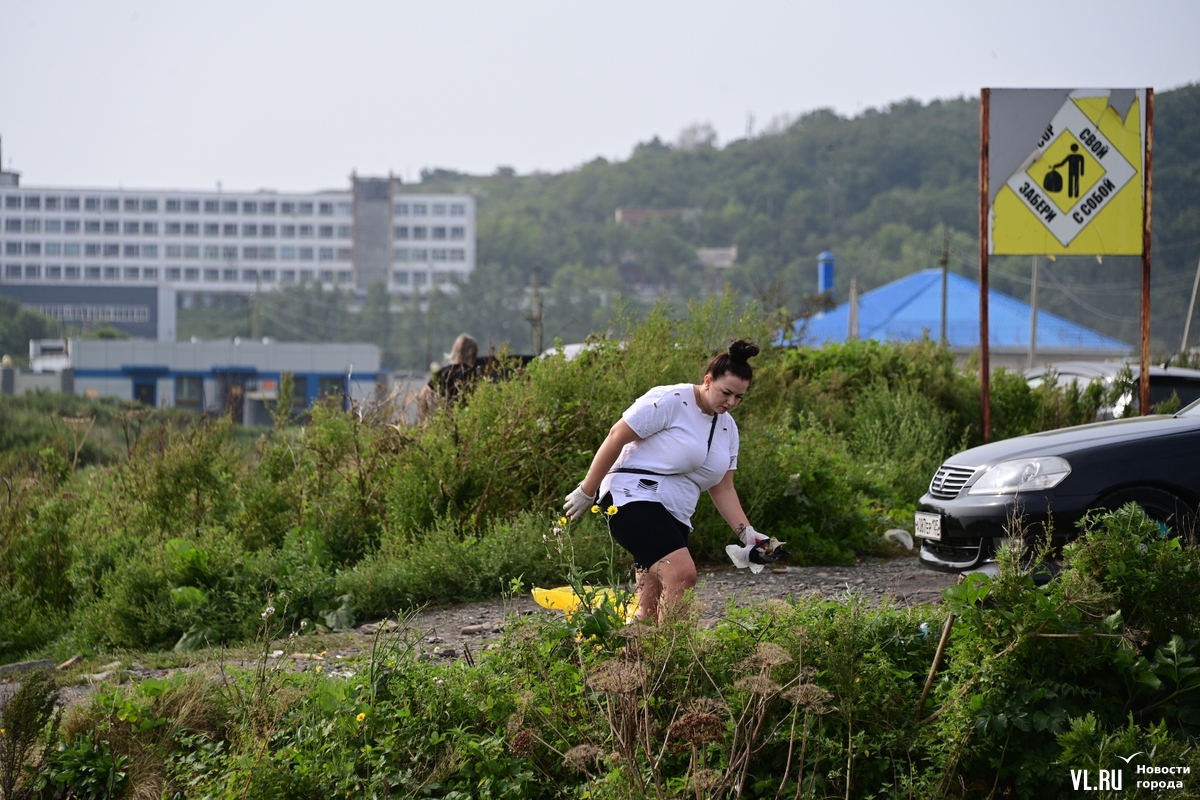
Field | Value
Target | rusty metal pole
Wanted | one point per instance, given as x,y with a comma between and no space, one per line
985,400
1144,394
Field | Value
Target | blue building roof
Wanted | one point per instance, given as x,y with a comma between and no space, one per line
906,309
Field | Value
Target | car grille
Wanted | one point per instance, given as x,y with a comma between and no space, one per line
949,481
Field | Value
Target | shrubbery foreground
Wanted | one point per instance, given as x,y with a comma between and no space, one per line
812,698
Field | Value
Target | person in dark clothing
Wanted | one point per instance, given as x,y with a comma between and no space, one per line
450,382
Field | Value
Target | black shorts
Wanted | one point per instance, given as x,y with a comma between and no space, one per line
647,530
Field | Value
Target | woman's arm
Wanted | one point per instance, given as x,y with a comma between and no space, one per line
725,498
618,436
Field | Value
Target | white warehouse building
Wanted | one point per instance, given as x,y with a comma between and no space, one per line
210,242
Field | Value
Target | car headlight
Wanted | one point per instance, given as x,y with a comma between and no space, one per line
1022,475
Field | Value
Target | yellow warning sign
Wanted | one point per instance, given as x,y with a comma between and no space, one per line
1079,190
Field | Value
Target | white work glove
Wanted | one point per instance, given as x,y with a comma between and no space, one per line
578,502
740,556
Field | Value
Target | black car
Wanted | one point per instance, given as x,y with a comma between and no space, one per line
1166,383
1056,477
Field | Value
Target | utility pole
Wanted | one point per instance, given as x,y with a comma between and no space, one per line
852,332
429,328
1187,322
1033,307
535,315
944,260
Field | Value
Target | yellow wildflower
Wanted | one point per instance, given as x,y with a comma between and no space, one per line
595,509
361,716
562,520
318,667
611,510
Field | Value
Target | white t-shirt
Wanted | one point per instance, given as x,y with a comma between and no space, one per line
674,444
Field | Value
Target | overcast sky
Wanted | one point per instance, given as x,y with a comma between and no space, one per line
294,94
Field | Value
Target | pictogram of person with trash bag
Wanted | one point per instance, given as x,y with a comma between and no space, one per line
1074,163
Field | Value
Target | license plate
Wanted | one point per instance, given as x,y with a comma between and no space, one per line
928,526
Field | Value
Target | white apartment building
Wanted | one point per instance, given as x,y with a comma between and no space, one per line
209,242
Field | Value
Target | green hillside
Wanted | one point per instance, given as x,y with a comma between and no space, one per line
884,190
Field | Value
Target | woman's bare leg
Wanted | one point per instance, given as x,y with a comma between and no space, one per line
675,573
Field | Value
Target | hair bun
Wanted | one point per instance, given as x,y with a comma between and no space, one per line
743,350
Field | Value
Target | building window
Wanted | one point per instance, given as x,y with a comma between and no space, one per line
458,232
345,276
400,209
131,228
91,204
287,231
306,254
306,275
250,275
91,249
331,386
211,206
325,209
230,229
53,203
12,225
439,209
229,275
33,226
53,249
458,210
112,273
71,249
419,232
267,207
288,276
229,253
458,254
131,204
150,205
191,251
91,226
229,207
131,273
33,248
287,253
325,254
172,206
268,275
12,248
71,272
345,209
211,252
287,208
268,231
191,229
149,273
343,231
33,202
112,251
419,209
418,278
174,251
400,277
306,231
54,271
12,270
33,271
191,206
266,253
438,232
304,209
249,230
400,254
189,391
54,226
438,254
400,232
326,276
325,231
112,204
212,275
149,228
249,207
149,251
172,229
212,229
12,201
131,251
172,273
70,203
420,255
345,254
250,253
191,274
71,226
112,227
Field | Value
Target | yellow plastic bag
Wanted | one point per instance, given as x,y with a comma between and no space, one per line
565,599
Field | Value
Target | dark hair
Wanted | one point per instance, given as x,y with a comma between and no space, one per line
734,361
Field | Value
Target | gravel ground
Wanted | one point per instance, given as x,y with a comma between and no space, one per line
457,631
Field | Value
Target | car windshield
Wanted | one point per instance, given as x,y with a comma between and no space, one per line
1190,410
